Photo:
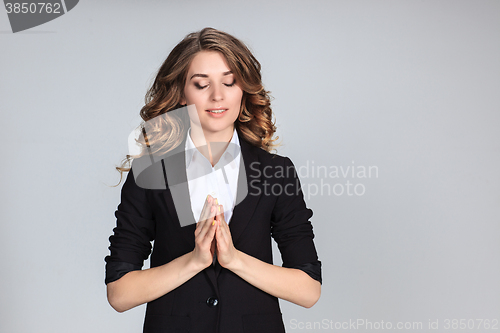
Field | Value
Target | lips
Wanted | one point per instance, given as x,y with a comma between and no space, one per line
217,111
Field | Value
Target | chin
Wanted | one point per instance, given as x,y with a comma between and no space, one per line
216,129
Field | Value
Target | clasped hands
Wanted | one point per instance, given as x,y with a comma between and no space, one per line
212,235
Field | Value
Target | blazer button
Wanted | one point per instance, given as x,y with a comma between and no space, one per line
212,301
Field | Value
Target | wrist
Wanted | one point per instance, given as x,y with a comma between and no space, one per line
236,263
194,263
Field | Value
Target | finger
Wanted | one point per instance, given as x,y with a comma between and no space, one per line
218,217
218,207
218,230
206,208
204,212
220,238
210,231
220,214
204,225
213,211
221,231
224,227
209,222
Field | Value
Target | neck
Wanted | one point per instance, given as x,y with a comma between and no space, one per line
211,144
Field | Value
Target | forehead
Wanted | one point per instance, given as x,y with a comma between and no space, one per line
209,63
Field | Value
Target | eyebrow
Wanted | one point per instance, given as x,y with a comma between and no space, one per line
205,75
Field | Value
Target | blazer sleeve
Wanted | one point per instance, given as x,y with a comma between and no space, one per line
130,243
291,228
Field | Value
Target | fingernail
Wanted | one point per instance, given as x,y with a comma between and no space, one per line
218,207
213,222
216,201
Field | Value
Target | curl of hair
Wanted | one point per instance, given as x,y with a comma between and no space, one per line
255,122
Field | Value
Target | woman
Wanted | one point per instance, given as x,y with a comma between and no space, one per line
209,276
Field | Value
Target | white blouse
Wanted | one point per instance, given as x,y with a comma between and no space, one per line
220,181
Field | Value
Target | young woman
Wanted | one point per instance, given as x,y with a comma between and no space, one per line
216,274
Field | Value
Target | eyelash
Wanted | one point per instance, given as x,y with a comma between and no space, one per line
227,85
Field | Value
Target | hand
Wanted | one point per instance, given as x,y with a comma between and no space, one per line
204,239
227,255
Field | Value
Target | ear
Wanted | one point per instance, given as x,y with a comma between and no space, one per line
182,101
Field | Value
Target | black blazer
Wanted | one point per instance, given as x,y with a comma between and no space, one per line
216,299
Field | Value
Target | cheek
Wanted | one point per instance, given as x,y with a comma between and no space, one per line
188,97
191,94
238,96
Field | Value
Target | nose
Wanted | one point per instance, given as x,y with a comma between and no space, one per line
217,94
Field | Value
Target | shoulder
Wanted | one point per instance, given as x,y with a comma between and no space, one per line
267,163
263,156
147,173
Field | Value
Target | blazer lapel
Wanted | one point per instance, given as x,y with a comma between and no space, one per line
249,191
177,193
248,195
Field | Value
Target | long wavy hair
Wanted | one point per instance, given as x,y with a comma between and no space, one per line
255,122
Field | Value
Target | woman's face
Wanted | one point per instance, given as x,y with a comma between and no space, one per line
212,88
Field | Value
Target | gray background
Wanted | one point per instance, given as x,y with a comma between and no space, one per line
411,87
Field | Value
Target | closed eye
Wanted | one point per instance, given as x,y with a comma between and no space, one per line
197,85
230,84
